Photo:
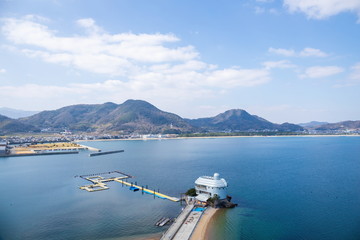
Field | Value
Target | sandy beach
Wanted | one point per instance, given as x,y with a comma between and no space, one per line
202,227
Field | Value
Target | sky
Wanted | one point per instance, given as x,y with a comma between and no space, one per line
286,61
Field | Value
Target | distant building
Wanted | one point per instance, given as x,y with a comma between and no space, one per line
3,148
207,187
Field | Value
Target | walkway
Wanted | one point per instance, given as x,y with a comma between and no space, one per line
174,228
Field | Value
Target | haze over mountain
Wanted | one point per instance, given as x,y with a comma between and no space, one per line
345,125
312,124
8,125
15,113
142,117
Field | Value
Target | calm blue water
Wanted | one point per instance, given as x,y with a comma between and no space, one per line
286,188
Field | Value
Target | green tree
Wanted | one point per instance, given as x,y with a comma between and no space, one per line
191,192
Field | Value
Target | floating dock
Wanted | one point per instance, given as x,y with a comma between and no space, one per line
99,184
145,190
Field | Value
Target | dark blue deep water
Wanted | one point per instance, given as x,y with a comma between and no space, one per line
287,188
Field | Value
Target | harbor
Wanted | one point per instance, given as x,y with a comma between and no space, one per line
43,149
54,148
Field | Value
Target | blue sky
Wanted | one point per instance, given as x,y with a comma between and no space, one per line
287,61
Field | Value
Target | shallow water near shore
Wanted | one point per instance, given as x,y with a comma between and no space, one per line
286,188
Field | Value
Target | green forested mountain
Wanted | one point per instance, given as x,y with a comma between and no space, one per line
138,116
130,116
240,120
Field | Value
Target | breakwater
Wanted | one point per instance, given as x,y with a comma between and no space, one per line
104,153
37,154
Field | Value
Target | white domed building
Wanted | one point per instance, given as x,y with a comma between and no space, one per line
207,186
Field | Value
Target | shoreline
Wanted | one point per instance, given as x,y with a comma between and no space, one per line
201,231
210,137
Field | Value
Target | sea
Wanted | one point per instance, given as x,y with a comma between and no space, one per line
286,188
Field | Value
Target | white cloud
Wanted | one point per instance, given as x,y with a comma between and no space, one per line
125,47
152,67
259,10
321,71
355,75
229,78
306,52
278,64
282,51
312,52
90,26
143,61
322,9
2,70
353,78
174,83
274,11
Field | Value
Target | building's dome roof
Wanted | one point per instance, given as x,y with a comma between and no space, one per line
214,181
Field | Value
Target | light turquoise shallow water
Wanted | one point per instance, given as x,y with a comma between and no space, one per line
286,188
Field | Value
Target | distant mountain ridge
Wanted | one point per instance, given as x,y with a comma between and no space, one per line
8,126
312,124
16,113
144,118
240,120
130,116
345,125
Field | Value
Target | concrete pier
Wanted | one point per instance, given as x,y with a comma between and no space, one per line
37,154
186,224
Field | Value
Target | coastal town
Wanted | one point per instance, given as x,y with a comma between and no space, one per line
66,136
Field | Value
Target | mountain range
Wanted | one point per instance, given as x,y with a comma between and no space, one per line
141,117
312,124
345,125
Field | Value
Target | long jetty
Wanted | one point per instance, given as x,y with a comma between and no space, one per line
37,154
104,153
